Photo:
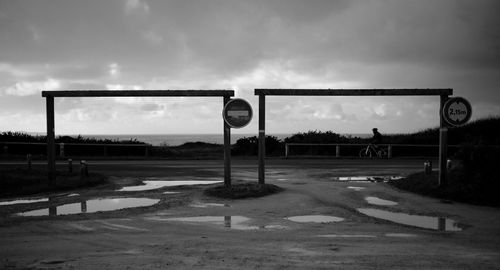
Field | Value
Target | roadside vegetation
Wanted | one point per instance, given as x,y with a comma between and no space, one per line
480,132
23,181
475,178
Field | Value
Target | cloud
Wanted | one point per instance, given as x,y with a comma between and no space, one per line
152,37
136,6
114,69
27,88
16,71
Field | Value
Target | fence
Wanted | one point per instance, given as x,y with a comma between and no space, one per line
352,150
76,149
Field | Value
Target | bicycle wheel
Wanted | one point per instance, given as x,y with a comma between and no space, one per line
382,154
365,153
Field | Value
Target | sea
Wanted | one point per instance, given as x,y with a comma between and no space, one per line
179,139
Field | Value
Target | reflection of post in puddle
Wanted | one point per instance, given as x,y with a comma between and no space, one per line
441,224
84,206
52,209
227,221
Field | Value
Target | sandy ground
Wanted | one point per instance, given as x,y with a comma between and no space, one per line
250,233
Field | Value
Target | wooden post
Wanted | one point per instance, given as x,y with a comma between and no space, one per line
70,165
337,151
443,143
389,151
286,150
51,148
262,138
28,159
227,148
61,150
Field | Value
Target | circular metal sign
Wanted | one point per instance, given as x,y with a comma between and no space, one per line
457,111
237,113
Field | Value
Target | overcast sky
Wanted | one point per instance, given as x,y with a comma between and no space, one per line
242,45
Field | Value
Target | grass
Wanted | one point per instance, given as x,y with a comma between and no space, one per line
244,190
17,181
456,189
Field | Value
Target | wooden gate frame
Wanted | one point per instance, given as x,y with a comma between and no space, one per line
50,95
444,94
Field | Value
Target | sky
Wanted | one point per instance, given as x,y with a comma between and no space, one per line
241,45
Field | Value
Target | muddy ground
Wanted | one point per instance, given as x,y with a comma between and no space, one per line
184,229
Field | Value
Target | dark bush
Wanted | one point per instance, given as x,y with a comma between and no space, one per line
249,146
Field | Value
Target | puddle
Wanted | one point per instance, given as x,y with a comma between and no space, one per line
91,206
315,219
274,227
347,236
149,185
403,235
206,205
367,178
233,222
426,222
24,201
356,188
378,201
170,192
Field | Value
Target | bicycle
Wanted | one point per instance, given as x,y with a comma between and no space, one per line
372,151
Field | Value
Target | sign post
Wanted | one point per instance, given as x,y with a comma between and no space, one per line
237,113
455,112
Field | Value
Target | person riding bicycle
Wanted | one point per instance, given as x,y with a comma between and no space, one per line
376,139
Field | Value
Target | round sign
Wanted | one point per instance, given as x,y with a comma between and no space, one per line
237,113
457,111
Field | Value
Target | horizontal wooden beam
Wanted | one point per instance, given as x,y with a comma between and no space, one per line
139,93
356,92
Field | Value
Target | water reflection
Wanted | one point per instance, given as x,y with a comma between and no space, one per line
378,201
149,185
233,222
367,178
91,206
356,188
315,219
24,201
426,222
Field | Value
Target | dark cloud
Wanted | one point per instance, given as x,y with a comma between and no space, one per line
247,44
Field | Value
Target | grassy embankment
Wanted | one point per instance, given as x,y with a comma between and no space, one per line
23,181
475,177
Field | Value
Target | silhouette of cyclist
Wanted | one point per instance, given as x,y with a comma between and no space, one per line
377,138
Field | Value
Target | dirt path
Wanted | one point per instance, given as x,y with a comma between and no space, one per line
252,233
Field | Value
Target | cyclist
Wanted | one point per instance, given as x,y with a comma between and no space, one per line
376,139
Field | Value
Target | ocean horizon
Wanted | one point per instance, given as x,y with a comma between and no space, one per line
179,139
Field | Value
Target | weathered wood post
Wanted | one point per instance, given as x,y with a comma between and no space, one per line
70,165
28,159
443,142
227,148
51,149
262,137
61,150
337,151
